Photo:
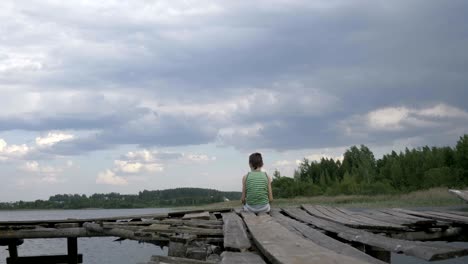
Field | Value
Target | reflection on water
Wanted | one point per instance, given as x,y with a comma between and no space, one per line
95,250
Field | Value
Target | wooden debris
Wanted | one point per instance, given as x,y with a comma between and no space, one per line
235,235
282,246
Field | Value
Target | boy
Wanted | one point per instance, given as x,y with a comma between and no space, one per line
256,187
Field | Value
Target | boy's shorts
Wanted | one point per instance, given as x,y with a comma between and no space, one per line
263,208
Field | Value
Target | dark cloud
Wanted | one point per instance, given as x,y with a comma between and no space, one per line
310,67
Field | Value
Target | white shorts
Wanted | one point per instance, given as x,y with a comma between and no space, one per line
264,208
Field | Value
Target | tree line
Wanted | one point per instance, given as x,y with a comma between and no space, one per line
360,173
144,199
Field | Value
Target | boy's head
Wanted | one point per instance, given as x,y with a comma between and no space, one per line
256,161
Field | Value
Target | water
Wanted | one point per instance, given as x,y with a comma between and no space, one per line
95,250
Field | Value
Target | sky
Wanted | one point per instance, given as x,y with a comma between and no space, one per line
123,96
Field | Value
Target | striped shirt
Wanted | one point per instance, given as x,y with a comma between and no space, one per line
256,185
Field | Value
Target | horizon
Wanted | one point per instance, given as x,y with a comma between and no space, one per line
124,96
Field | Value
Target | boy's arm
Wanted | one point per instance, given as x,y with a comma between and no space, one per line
243,190
270,192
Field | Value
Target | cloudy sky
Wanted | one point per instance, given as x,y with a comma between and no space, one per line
121,96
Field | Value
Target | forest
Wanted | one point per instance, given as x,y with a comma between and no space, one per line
360,173
144,199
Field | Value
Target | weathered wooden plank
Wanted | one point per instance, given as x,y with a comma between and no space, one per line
47,233
183,229
241,258
417,220
177,260
378,223
321,239
462,213
413,248
377,215
435,215
280,245
235,235
203,215
324,213
462,194
173,222
354,220
456,217
96,229
182,213
84,220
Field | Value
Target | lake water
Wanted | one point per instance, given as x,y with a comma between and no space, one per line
104,250
95,250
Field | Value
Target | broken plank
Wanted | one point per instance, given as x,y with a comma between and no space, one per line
241,258
280,245
235,235
321,239
203,215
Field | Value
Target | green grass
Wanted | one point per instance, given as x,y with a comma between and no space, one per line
436,197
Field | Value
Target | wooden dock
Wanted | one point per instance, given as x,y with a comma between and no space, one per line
305,234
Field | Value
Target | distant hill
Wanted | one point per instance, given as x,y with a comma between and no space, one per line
158,198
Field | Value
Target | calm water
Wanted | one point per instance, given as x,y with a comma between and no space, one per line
95,250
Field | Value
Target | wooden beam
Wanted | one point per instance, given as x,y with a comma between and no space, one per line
72,248
235,234
280,245
47,233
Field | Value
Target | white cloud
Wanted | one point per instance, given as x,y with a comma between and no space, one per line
389,118
109,177
53,138
403,118
9,152
35,167
199,157
16,62
137,167
443,111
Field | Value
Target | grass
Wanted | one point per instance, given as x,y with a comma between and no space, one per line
436,197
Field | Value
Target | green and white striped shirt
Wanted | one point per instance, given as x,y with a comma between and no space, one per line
256,185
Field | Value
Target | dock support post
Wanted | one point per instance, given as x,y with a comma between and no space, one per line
379,253
13,250
72,248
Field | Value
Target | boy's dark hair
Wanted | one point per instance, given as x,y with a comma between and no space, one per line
256,160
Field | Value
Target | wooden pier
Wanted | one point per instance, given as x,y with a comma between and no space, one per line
305,234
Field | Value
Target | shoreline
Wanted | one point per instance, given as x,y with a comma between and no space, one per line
435,197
